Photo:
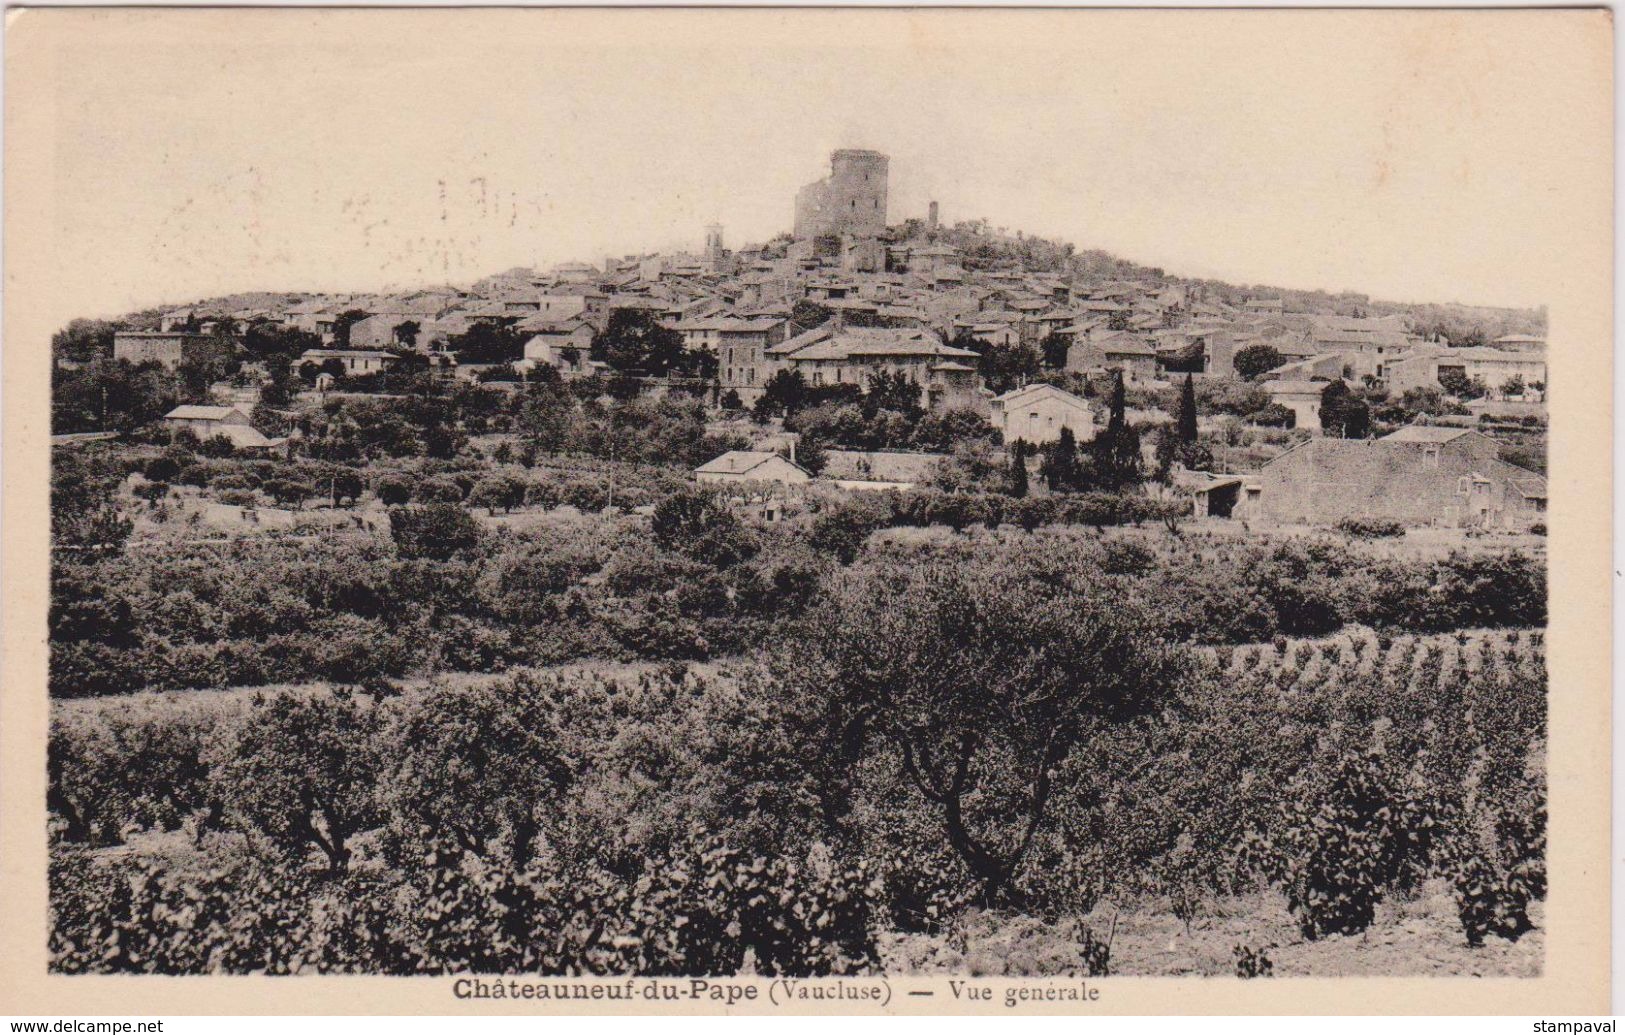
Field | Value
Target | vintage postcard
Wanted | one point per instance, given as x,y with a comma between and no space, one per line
851,511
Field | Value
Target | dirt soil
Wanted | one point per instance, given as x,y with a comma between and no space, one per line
1418,938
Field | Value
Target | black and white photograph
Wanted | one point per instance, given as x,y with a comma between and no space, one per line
601,495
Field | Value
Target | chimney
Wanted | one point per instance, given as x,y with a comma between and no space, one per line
931,216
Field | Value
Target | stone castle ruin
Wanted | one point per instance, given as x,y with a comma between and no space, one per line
850,200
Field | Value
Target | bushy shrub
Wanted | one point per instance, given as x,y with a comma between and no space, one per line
1338,851
1370,528
1033,512
699,524
436,531
439,489
1490,900
394,489
841,529
1273,415
1251,962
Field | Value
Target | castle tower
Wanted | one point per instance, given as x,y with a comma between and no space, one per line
850,200
714,253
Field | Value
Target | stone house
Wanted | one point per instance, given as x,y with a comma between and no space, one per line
1494,367
1451,477
1037,413
380,330
246,519
566,344
996,333
1373,354
741,465
228,422
204,421
832,354
1222,495
1520,343
557,304
1328,367
930,258
356,361
315,316
1114,350
167,348
742,360
701,334
575,273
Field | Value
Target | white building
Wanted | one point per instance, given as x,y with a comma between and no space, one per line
748,466
1037,413
355,361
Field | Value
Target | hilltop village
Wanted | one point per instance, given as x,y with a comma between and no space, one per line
858,352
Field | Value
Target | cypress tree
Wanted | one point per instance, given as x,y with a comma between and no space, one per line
1117,449
1116,419
1168,449
1060,470
1187,412
1018,469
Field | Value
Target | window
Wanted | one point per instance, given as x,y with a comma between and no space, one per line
1461,485
1430,458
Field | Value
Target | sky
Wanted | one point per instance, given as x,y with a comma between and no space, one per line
1413,156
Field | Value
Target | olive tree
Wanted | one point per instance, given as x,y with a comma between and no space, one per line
478,765
977,685
300,770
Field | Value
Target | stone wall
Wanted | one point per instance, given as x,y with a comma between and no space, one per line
1415,483
850,200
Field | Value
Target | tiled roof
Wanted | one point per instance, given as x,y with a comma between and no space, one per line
201,412
739,461
1426,433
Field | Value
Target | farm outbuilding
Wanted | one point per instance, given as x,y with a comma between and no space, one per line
1452,477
